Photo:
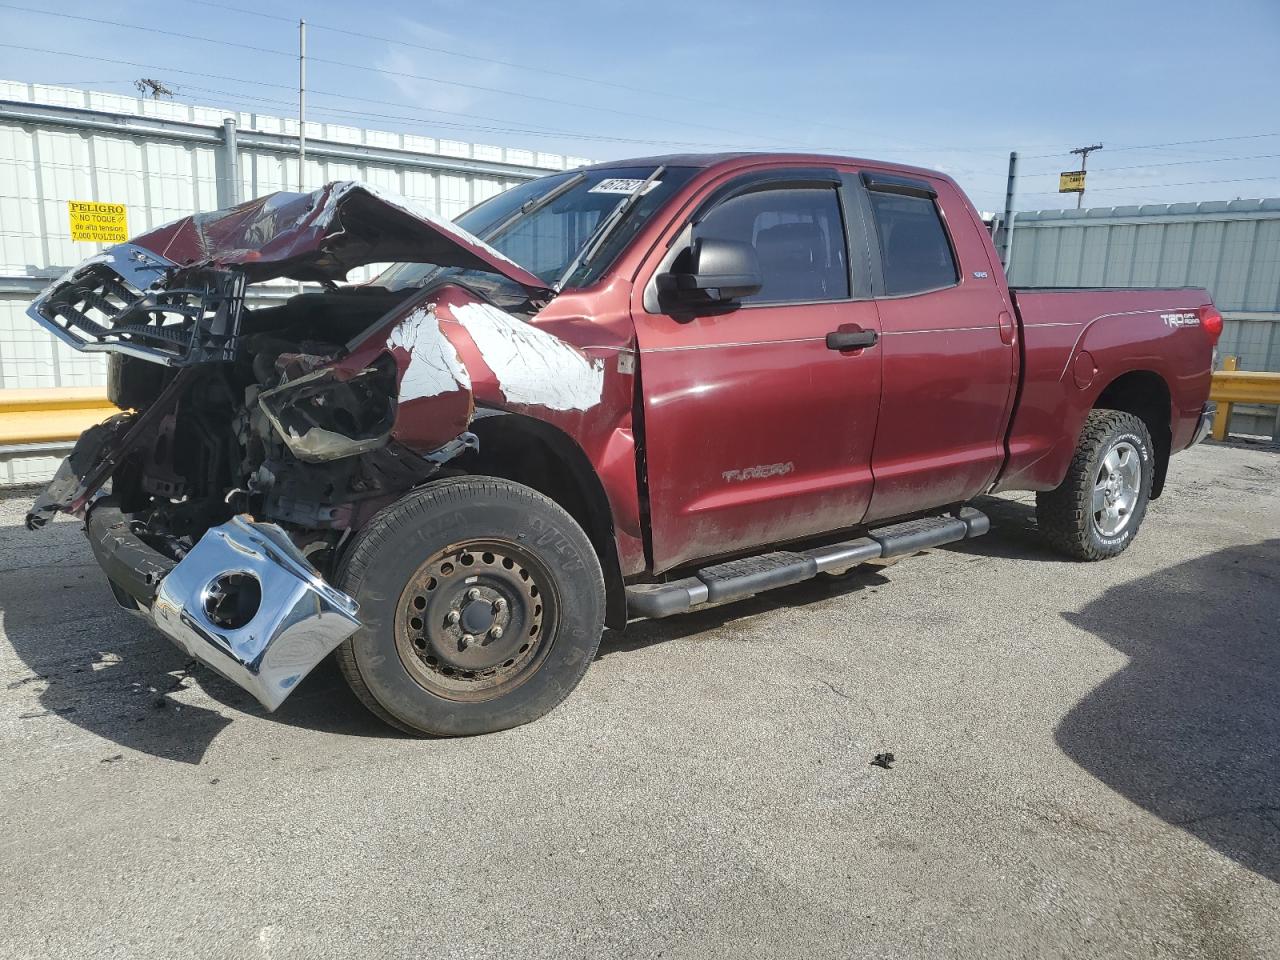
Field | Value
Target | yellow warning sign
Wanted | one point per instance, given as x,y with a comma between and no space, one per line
1071,181
98,222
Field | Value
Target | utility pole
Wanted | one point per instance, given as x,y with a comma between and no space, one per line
302,102
1006,228
1084,155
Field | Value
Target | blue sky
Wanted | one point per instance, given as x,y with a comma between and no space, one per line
954,86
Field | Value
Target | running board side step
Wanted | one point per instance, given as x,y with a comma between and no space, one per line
737,579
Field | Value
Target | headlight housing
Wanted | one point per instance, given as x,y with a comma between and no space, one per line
327,416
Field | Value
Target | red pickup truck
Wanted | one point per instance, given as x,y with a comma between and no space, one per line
629,390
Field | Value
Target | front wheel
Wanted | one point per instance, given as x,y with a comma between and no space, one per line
1097,509
481,604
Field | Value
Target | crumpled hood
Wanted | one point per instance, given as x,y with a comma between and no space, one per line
321,235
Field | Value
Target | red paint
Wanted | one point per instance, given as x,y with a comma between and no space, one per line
755,390
730,433
1123,331
949,377
320,236
754,433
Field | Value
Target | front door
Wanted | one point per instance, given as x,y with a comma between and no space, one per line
756,430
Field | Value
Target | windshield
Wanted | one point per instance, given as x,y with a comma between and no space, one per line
546,237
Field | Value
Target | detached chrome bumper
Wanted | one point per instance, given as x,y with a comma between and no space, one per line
244,601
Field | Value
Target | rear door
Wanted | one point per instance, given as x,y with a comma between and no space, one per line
755,431
948,348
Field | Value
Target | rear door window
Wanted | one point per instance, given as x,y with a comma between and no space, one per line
914,249
799,237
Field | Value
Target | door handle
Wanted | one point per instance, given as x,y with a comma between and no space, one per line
851,339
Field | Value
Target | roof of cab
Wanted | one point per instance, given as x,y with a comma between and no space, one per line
707,160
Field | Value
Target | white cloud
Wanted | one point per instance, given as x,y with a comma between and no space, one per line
430,94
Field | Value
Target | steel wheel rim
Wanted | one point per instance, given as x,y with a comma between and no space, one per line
476,620
1116,488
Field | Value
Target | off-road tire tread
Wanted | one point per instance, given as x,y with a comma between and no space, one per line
1062,514
435,496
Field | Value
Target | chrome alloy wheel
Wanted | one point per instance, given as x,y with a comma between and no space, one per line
1116,489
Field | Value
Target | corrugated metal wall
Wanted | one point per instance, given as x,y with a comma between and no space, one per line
165,160
1231,248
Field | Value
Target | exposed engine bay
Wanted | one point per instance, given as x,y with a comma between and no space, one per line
218,502
261,410
274,433
256,438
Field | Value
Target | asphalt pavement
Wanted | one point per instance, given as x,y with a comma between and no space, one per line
1087,764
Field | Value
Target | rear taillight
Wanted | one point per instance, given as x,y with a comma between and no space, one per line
1211,320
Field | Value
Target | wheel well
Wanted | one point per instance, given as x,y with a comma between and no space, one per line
538,455
1144,394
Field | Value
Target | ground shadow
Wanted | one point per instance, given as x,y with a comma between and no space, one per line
1190,728
1014,534
112,674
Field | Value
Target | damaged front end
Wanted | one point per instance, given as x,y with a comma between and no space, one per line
256,439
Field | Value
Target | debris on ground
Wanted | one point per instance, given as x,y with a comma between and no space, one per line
883,760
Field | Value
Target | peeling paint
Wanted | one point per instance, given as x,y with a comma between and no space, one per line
532,365
434,365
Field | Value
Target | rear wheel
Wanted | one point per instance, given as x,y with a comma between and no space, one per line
482,604
1097,509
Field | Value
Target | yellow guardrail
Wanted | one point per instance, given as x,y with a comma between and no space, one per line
51,415
1231,386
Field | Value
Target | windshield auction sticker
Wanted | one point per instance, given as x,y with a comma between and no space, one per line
96,222
621,185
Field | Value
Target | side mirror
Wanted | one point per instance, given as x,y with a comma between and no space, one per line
712,271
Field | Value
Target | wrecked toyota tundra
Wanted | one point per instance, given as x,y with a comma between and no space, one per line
634,389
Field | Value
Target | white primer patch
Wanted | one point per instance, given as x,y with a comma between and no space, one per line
434,365
532,366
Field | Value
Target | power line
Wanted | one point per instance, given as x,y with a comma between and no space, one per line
514,64
155,30
430,122
522,131
465,85
1172,143
514,93
1168,163
282,86
580,78
527,96
1147,186
393,73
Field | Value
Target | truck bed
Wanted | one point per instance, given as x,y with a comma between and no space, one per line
1075,339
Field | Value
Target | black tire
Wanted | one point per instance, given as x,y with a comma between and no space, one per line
524,558
1066,514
